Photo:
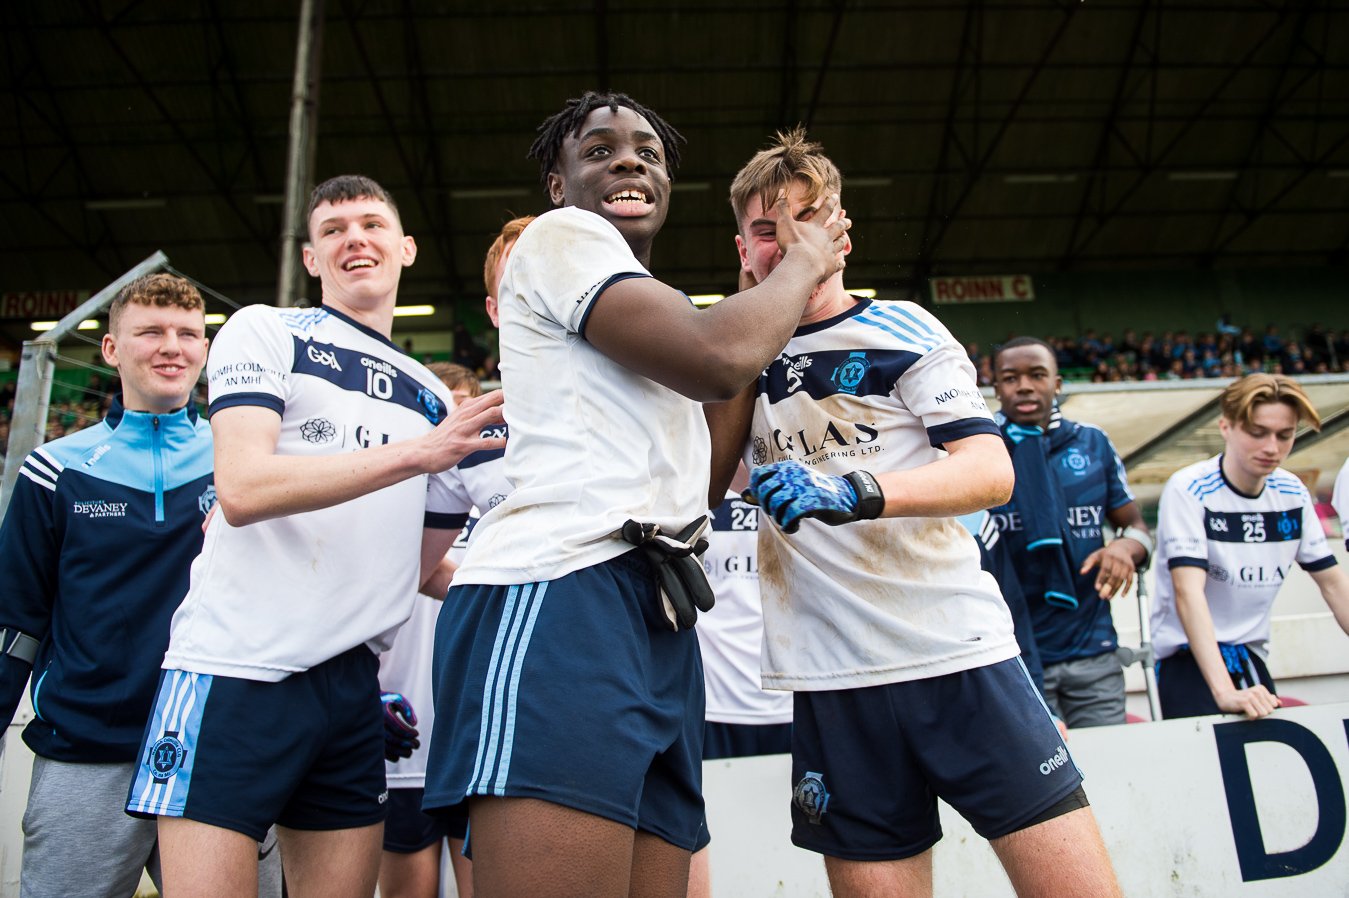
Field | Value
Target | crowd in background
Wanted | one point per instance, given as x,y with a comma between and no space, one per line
1229,351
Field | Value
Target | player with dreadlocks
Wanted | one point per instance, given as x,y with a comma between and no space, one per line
569,692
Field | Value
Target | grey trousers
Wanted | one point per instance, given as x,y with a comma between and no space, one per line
1086,692
78,839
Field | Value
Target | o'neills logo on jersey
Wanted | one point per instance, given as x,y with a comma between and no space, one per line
793,368
1059,759
100,508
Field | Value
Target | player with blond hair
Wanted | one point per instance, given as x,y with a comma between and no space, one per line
1229,530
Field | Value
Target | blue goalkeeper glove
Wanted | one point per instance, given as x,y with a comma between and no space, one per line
791,492
400,726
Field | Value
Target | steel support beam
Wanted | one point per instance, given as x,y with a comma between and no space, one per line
304,113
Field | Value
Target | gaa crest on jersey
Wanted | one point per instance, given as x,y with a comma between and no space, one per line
811,796
1076,461
848,376
166,756
431,405
318,430
760,455
496,500
206,500
1219,573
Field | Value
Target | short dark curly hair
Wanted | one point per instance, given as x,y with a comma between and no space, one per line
556,128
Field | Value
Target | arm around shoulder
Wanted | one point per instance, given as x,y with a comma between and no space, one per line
253,483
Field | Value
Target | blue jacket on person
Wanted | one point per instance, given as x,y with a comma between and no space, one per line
96,548
1091,477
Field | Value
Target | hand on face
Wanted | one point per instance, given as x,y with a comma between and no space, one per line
821,231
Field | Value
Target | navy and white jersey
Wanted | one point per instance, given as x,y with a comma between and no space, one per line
96,546
1339,500
1247,544
279,596
1091,477
731,634
592,444
881,387
406,667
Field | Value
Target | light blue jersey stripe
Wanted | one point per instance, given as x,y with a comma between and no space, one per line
508,742
889,328
917,323
905,323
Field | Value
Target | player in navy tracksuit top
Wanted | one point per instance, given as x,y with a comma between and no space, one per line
118,503
101,531
1058,533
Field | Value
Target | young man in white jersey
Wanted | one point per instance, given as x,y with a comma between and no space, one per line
1228,532
330,448
898,647
569,701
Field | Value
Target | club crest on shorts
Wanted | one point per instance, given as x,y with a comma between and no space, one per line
811,796
166,757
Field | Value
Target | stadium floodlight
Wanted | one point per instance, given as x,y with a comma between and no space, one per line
88,324
703,300
413,311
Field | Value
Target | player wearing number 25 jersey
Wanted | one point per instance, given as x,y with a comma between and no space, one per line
1229,530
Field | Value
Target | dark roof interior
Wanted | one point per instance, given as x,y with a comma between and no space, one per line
974,137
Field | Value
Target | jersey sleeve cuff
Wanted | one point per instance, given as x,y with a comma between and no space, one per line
438,520
942,434
614,279
1184,561
1320,564
265,400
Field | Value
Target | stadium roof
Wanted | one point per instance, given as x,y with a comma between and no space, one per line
976,137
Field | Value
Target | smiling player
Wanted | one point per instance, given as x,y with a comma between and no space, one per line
330,448
569,702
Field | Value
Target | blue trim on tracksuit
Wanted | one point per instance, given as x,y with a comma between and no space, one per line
96,547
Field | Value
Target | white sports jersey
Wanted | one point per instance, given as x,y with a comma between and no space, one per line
731,634
1246,543
879,388
592,444
406,666
1339,500
279,596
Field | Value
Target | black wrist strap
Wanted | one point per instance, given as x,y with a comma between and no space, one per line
870,499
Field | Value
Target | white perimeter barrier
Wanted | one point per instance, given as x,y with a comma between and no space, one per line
1213,806
1209,806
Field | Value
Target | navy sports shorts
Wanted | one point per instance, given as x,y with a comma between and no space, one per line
306,752
408,829
1182,690
574,691
869,764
